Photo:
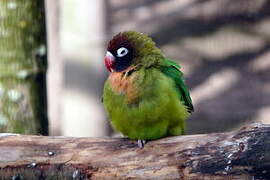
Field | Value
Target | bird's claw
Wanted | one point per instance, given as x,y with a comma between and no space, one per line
141,143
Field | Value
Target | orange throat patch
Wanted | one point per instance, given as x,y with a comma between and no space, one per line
124,83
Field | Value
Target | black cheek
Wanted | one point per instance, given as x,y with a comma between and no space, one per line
122,63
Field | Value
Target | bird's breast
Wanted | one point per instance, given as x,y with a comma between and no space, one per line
123,83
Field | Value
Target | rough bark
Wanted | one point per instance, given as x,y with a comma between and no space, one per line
242,154
22,67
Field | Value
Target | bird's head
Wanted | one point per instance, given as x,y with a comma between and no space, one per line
128,48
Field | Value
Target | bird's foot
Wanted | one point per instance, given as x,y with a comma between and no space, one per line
141,143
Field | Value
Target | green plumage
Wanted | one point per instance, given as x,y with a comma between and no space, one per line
160,99
172,70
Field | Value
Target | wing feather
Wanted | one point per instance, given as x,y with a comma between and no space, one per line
172,70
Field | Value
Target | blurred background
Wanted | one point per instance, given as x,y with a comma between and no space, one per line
223,47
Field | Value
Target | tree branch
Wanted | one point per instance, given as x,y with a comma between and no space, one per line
241,154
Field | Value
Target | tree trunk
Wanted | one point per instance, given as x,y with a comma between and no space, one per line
22,67
240,155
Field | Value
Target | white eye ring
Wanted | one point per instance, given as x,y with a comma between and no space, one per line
122,52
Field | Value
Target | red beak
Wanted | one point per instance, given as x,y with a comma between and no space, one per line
109,61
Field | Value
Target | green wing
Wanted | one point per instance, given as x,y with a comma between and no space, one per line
172,70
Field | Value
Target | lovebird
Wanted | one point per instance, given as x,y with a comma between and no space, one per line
145,95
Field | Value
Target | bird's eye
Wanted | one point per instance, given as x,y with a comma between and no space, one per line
122,52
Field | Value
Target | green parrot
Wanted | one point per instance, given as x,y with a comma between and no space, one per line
145,95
